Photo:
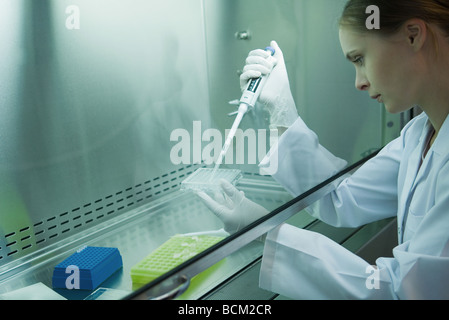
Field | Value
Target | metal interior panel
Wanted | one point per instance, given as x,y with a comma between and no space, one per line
87,114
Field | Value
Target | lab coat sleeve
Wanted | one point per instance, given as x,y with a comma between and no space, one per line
302,264
298,161
368,195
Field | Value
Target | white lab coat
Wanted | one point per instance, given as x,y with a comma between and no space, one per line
305,265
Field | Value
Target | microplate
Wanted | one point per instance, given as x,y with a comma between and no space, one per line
205,179
169,255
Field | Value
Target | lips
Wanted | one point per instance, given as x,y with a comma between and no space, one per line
377,97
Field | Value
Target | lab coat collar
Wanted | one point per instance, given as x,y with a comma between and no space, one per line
415,171
441,145
415,167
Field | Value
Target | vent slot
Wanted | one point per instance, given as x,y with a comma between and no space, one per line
27,239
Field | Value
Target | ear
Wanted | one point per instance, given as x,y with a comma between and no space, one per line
415,31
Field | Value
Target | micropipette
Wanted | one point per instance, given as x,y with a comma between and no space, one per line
247,102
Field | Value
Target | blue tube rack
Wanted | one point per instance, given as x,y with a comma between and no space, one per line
93,265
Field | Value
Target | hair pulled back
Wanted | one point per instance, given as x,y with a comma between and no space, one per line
394,13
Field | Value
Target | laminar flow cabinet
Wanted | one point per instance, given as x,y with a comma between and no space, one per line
96,97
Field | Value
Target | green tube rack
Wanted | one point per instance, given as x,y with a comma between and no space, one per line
169,255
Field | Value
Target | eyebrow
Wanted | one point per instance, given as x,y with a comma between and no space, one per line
350,55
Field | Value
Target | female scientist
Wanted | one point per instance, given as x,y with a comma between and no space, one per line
403,64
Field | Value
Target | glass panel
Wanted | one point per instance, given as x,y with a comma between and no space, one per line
222,252
107,108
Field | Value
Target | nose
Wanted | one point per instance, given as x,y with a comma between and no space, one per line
361,82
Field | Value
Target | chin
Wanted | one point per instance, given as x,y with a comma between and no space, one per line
395,109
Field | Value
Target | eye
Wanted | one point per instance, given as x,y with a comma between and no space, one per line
358,60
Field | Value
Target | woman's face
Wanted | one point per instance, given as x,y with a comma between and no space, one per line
384,67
